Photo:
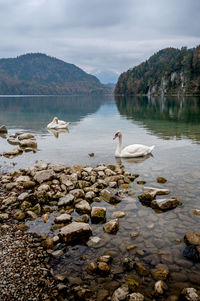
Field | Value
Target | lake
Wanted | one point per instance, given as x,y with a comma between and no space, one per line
171,124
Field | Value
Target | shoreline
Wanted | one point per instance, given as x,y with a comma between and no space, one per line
36,193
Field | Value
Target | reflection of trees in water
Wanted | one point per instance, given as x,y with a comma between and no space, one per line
165,117
34,112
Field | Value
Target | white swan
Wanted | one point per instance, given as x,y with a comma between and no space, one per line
57,124
131,151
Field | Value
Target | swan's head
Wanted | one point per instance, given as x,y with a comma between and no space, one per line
55,119
117,134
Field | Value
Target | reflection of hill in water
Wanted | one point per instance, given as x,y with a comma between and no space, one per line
36,112
164,117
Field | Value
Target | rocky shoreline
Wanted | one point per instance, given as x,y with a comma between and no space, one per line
54,193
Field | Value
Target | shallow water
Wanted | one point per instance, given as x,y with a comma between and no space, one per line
171,124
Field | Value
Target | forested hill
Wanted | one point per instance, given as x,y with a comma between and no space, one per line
168,72
37,73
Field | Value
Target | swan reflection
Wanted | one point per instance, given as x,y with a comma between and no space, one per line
56,133
133,160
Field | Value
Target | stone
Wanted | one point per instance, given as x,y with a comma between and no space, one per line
13,152
141,269
161,180
103,267
112,226
48,243
19,215
134,234
141,182
44,175
28,143
160,286
196,212
189,294
105,258
98,214
110,197
118,214
160,272
23,196
57,253
28,184
165,204
135,297
156,191
93,241
120,293
75,231
44,187
3,216
89,195
63,218
192,238
102,295
131,247
3,129
192,252
78,193
92,267
22,179
45,217
83,207
146,198
66,200
26,136
12,141
31,214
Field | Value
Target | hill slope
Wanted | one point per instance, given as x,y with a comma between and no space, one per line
37,73
169,72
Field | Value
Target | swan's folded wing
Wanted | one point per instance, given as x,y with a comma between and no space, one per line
136,150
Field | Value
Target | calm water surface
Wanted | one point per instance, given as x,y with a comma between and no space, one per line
171,124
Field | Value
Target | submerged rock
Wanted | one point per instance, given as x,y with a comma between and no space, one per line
112,226
161,180
192,253
189,294
13,152
160,286
135,297
146,198
75,231
192,238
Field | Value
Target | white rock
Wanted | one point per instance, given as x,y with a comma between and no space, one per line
83,207
120,293
135,297
63,218
160,286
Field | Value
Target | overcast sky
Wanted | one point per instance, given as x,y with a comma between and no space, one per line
98,35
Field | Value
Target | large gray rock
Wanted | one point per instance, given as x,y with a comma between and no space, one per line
192,238
3,129
156,191
22,179
13,152
44,175
75,231
66,200
26,136
165,204
28,143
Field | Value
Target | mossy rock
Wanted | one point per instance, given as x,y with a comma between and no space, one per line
145,198
161,180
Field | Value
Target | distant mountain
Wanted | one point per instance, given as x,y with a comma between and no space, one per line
37,73
107,77
169,72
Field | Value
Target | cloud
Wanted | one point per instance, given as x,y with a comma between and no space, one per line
98,34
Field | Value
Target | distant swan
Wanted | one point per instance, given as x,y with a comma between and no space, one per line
131,151
57,124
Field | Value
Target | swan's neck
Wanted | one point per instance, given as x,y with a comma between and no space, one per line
119,147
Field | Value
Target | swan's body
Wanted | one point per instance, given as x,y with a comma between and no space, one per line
131,151
57,124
